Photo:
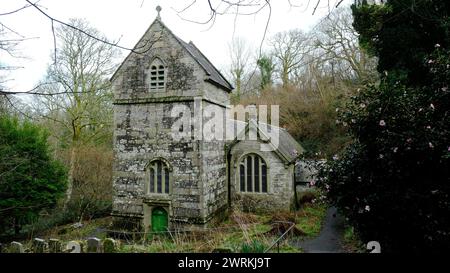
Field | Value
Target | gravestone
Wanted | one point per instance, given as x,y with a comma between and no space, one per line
109,245
16,247
38,245
94,245
74,247
54,246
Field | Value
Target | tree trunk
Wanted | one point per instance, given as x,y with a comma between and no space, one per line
16,227
70,176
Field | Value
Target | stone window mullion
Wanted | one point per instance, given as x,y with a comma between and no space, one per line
245,174
252,174
159,178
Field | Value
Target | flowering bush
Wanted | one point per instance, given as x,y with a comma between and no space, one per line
393,181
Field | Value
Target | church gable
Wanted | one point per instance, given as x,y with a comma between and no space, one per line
159,67
164,65
275,139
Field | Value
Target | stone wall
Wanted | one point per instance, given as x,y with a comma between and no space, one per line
143,131
280,195
214,166
185,77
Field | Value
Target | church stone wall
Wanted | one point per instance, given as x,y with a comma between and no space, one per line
185,78
280,195
214,165
143,131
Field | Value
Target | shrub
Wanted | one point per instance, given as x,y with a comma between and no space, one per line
392,182
30,179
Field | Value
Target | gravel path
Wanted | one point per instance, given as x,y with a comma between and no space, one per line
330,237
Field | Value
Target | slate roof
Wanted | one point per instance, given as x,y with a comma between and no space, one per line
213,73
288,146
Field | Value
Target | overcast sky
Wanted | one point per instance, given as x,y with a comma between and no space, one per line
129,19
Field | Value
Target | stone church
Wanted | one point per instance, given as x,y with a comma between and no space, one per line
160,182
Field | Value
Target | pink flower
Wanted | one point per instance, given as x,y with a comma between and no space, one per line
430,61
430,145
335,157
367,208
409,140
432,106
437,45
312,183
382,123
395,149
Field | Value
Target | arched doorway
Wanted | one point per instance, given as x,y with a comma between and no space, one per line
160,219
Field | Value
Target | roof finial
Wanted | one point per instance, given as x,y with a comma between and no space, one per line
158,9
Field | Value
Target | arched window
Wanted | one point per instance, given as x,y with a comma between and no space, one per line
157,75
252,174
159,178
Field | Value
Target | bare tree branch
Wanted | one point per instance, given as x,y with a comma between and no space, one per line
315,8
17,10
52,19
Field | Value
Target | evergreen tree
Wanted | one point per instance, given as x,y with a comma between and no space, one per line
30,180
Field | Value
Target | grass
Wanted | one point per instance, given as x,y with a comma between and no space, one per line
69,232
244,232
248,232
351,242
309,218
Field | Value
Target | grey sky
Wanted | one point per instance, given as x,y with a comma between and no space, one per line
129,19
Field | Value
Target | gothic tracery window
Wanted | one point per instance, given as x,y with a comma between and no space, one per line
159,178
253,174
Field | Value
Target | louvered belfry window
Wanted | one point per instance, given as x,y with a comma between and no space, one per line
159,177
157,76
253,174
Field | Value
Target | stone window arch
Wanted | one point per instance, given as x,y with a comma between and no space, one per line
253,174
159,177
157,75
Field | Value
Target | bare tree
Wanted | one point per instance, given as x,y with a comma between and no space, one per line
240,55
9,40
289,49
340,51
79,97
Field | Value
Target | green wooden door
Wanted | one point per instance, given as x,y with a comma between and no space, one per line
159,220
